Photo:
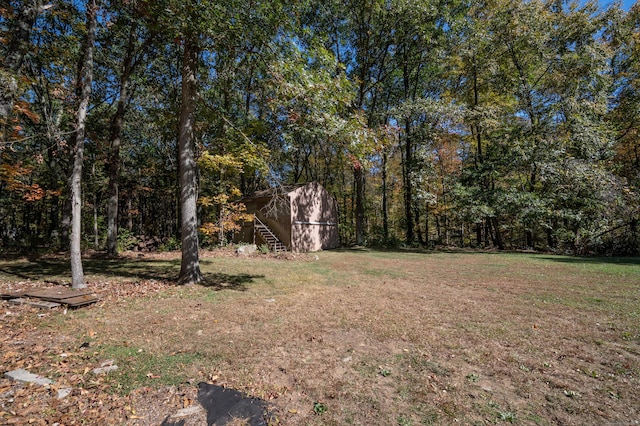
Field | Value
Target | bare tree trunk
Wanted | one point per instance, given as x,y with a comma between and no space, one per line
117,124
385,212
84,88
406,177
190,264
358,177
96,236
65,223
130,213
407,167
497,240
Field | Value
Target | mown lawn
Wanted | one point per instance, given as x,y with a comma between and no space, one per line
339,337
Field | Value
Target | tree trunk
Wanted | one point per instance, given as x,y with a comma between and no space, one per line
358,176
385,213
84,89
190,264
407,168
65,222
426,224
117,125
130,213
497,234
96,235
418,229
406,175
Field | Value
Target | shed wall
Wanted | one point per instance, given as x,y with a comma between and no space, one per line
314,219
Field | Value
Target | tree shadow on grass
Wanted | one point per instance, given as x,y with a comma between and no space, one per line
614,260
57,272
219,281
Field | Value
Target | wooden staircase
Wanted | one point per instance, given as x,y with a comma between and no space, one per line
267,235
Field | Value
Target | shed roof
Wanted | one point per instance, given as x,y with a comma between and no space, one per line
277,190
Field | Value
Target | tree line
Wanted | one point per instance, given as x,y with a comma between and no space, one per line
469,123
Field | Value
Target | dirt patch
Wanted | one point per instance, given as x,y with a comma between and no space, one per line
342,338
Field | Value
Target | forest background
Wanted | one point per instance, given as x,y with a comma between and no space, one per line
434,123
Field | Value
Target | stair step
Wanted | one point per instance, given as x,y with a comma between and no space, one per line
268,236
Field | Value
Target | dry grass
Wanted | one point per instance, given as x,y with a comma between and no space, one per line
385,338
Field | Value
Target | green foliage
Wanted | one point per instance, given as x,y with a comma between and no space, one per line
319,408
507,416
385,372
510,125
126,240
171,244
473,377
404,421
264,249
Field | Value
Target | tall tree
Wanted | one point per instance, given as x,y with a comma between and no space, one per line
84,82
128,22
190,265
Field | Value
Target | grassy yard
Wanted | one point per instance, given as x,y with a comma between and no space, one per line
335,338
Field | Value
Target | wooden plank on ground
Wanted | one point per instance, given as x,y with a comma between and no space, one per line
64,296
36,303
56,295
78,301
6,296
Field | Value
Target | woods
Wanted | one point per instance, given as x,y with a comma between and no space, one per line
470,123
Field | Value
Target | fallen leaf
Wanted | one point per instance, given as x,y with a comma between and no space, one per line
186,402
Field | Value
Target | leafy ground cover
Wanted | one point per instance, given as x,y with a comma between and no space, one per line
334,338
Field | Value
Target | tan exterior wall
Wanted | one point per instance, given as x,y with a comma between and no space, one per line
314,219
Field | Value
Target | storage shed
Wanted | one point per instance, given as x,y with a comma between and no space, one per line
299,218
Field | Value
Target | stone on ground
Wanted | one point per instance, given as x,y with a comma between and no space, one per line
246,250
22,375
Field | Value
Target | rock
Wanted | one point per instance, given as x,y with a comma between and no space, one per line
64,392
247,250
105,367
104,370
22,375
189,411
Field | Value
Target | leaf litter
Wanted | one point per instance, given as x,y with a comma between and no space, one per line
412,341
